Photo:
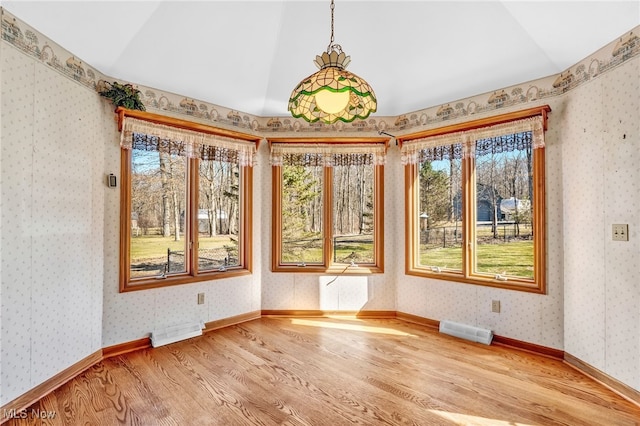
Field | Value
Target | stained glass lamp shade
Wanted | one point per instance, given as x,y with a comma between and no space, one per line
332,93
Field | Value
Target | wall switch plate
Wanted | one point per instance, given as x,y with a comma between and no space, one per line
620,232
495,306
200,298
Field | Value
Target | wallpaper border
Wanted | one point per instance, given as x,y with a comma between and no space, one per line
626,47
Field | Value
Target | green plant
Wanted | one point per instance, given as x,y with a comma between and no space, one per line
124,95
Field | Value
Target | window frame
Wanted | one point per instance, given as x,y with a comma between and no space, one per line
328,266
467,274
245,252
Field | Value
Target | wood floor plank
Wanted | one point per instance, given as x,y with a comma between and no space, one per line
329,371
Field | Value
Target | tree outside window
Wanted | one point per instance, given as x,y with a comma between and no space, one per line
327,206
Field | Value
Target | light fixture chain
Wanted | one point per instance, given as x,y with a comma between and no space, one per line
330,47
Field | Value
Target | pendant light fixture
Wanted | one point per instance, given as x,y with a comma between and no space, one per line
332,93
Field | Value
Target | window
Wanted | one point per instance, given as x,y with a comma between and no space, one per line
475,201
186,202
328,205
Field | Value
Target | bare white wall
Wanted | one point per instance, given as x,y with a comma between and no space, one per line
52,221
600,133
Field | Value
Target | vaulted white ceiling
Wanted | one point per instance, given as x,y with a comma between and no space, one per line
249,55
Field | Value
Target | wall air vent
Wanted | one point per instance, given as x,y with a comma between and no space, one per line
468,332
176,333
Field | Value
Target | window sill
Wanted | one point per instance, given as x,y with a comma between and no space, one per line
508,284
149,283
344,269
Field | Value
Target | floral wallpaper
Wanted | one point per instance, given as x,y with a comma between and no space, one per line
51,221
601,151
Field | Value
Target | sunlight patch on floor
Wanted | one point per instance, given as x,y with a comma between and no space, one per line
353,327
466,419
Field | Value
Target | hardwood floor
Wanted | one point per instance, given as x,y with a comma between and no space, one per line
324,371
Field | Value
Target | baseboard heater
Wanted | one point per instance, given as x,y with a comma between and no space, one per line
468,332
176,333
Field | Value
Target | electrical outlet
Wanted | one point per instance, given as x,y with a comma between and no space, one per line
495,306
620,232
200,298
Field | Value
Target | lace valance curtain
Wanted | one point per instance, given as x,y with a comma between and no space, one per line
498,138
327,155
148,136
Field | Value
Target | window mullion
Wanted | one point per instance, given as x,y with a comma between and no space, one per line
193,180
469,212
327,225
246,215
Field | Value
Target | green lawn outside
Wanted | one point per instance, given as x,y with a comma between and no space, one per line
155,246
310,251
513,258
445,258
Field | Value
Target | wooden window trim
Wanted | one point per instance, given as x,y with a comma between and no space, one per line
182,124
245,267
328,267
412,267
